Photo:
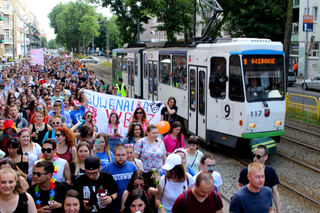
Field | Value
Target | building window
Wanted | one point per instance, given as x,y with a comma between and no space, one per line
6,5
7,33
306,11
296,2
315,13
315,49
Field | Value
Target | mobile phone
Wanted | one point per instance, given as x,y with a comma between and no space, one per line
97,141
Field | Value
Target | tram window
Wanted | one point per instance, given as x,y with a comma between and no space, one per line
124,65
179,74
192,90
235,80
155,78
150,77
136,65
164,69
129,71
202,92
217,79
119,62
145,68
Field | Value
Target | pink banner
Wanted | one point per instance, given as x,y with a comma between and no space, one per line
37,56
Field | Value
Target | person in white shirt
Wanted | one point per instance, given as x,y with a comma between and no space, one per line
207,163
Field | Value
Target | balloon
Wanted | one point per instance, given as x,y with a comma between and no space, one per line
163,127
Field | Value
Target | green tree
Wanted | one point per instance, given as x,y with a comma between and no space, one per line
65,19
44,42
128,13
173,16
52,44
89,26
263,20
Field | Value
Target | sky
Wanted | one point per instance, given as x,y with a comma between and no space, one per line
41,9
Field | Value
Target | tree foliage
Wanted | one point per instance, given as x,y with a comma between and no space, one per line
175,17
52,44
67,19
260,19
110,24
128,14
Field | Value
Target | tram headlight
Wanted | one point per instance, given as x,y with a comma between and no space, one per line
252,125
277,123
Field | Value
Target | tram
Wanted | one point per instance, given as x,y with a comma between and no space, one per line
226,92
229,92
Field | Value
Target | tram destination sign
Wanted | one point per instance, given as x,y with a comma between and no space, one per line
267,61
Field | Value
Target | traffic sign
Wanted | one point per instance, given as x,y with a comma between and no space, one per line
108,51
307,23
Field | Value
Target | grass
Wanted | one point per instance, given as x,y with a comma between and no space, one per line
106,64
302,115
79,55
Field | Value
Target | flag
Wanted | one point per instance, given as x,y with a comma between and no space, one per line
37,56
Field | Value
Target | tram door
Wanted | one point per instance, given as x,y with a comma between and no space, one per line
129,86
152,81
197,101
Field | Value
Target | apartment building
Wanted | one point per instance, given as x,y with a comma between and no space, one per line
21,31
298,38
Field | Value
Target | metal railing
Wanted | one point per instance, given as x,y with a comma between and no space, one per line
8,24
304,111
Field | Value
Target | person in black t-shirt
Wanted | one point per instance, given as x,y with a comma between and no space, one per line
93,184
169,111
260,155
47,193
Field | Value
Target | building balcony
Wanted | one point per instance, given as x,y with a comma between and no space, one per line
8,25
8,40
7,11
1,16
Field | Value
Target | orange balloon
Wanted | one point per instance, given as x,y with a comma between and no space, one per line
163,127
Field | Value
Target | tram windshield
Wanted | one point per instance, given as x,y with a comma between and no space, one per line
264,77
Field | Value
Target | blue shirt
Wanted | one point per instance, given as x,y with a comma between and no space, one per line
77,115
244,200
122,176
104,158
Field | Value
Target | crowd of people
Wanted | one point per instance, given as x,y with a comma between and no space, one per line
54,160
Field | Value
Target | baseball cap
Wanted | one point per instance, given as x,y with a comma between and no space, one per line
92,162
76,103
171,161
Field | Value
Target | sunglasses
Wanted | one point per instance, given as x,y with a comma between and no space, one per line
129,145
57,91
89,116
115,88
55,122
47,99
58,135
258,156
38,108
12,97
44,94
137,185
17,103
38,174
43,150
139,113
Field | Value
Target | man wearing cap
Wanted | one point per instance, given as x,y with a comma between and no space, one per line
207,164
97,188
78,109
48,150
122,90
201,198
121,170
41,190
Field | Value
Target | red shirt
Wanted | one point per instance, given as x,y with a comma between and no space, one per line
193,205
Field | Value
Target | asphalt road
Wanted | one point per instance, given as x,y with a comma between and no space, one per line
297,89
